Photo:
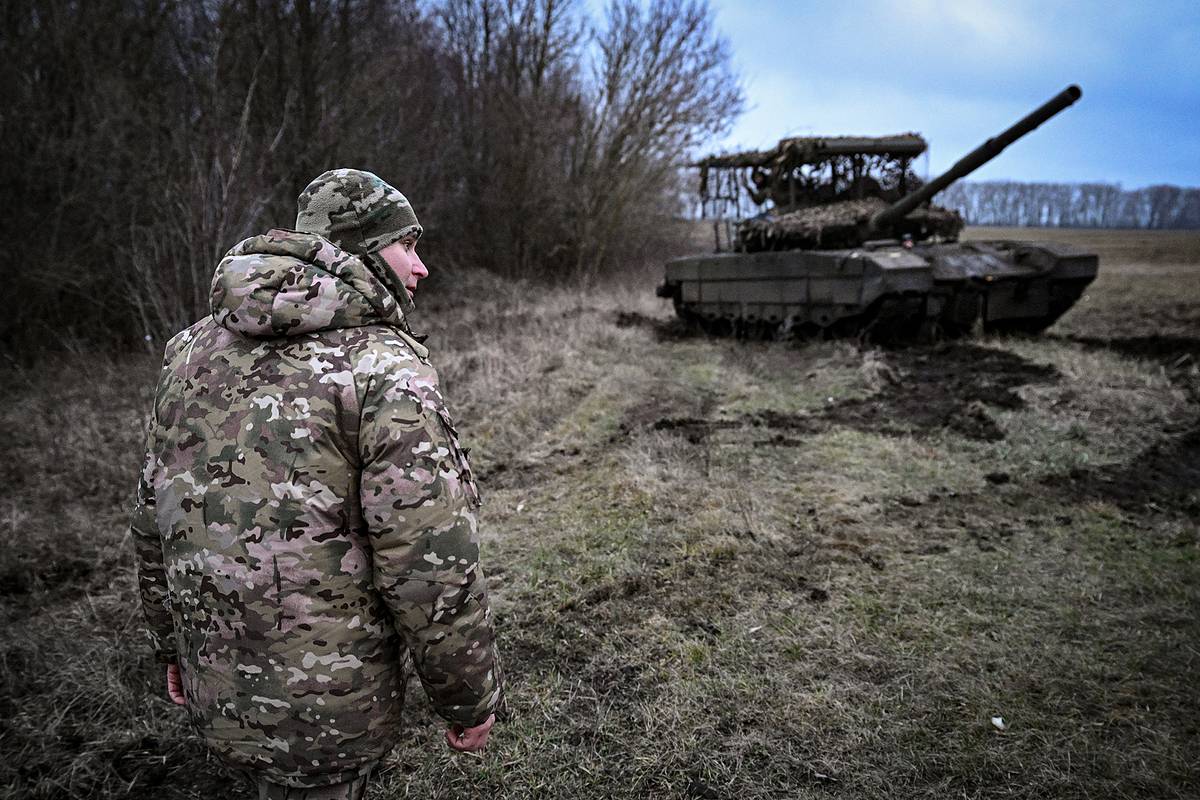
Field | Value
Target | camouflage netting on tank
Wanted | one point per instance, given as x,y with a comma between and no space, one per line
840,225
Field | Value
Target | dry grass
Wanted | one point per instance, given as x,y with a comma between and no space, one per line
720,569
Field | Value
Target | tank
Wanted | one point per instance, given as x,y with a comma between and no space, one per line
847,243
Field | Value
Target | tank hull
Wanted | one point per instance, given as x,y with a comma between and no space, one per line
885,290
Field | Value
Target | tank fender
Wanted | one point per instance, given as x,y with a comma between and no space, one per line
894,271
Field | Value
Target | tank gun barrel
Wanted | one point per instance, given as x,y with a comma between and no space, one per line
975,159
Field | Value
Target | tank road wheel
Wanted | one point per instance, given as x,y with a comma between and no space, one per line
855,327
894,318
693,323
805,331
952,330
717,326
933,329
768,330
755,330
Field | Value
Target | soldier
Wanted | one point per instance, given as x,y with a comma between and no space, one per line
305,515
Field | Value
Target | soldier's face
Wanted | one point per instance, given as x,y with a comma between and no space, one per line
402,257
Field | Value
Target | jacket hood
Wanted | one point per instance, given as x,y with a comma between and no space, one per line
285,283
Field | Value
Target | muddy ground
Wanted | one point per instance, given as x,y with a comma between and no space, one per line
719,568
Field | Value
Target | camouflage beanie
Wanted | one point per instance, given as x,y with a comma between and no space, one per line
356,210
362,214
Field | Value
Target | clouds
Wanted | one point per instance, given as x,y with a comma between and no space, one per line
985,24
961,71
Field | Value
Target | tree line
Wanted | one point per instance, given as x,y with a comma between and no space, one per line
1073,205
146,137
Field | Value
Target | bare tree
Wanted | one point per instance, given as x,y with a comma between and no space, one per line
1073,205
662,84
513,64
151,135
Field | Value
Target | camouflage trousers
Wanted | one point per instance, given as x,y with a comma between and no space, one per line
269,790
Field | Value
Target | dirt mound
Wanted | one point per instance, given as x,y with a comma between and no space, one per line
693,429
929,389
1172,351
951,386
1165,477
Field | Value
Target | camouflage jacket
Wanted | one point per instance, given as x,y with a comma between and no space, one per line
305,515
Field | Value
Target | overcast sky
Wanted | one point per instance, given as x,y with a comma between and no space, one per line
959,71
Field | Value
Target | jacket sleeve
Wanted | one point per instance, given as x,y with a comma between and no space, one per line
423,531
152,574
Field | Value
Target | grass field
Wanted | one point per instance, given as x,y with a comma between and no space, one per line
720,569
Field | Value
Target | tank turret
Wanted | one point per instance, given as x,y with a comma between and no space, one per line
841,192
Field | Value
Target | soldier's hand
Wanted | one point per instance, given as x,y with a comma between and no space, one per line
175,685
469,740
